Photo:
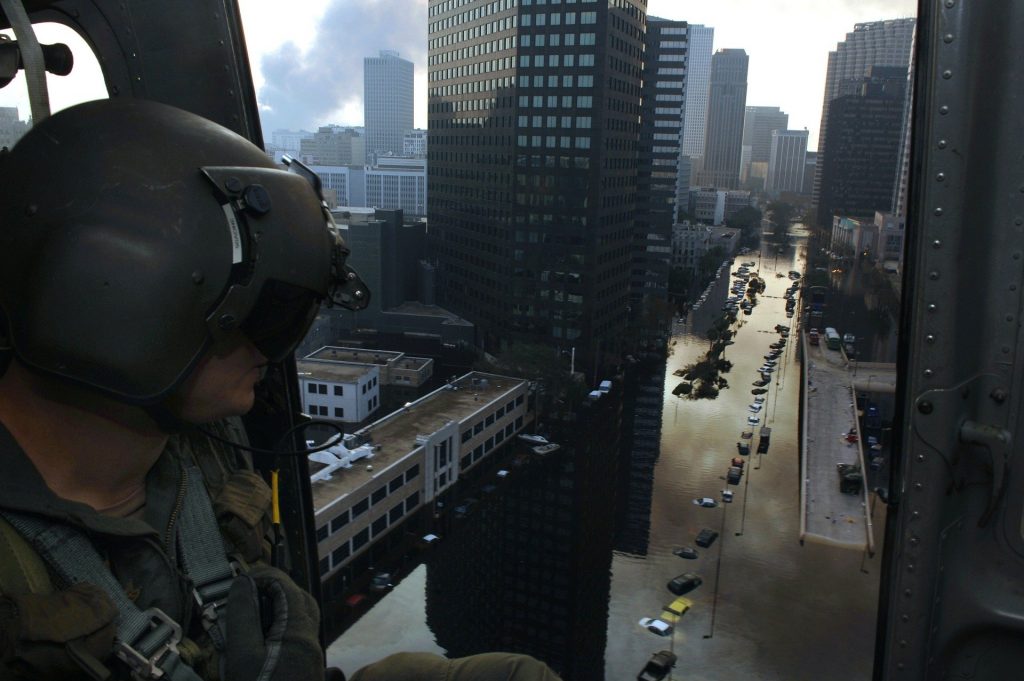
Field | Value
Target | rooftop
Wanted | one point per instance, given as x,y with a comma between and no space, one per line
362,355
331,370
395,434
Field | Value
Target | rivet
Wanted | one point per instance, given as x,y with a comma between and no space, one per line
908,593
920,457
905,617
937,244
948,38
998,395
929,339
1016,256
1013,287
900,666
933,275
1006,349
226,321
914,541
942,144
932,307
197,277
358,294
947,74
925,407
233,185
940,177
350,276
950,3
928,373
1018,221
915,515
943,110
1009,317
917,486
910,567
31,209
903,643
938,211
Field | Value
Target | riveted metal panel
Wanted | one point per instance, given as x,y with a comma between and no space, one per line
953,606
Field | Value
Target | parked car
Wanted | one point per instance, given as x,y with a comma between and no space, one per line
734,475
753,420
684,583
656,626
755,407
706,537
727,496
759,399
706,502
658,667
687,552
743,448
676,609
738,462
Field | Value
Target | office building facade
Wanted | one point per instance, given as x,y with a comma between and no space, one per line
759,122
659,174
872,43
387,103
787,161
859,166
534,129
727,100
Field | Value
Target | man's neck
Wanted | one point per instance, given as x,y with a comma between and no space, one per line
87,447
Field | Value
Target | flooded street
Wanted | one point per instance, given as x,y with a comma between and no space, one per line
768,607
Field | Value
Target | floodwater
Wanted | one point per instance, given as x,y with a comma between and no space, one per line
769,607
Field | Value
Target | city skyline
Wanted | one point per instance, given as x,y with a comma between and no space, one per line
319,83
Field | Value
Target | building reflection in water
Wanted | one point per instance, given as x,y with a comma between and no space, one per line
528,571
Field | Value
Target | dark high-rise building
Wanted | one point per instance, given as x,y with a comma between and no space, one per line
727,102
871,43
534,127
660,174
859,166
387,103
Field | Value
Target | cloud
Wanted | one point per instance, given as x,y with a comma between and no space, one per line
310,84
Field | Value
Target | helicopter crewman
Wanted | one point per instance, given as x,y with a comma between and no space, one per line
152,264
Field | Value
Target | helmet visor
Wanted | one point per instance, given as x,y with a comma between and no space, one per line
280,319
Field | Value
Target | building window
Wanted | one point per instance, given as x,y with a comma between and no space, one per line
339,554
489,421
379,525
412,501
478,452
467,435
395,484
412,472
311,387
360,508
339,412
478,428
442,480
466,461
325,565
379,494
359,541
339,521
339,390
322,388
395,514
321,533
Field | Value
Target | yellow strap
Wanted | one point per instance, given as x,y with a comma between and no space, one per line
275,508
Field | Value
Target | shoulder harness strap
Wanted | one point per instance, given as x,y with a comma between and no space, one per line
147,640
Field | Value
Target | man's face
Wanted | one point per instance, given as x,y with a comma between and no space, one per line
222,383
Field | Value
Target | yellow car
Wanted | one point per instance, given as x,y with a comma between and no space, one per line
676,609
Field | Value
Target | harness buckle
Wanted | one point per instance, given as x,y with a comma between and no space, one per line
163,636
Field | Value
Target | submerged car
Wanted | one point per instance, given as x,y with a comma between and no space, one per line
706,502
753,420
706,537
676,609
684,583
687,552
658,667
727,495
656,626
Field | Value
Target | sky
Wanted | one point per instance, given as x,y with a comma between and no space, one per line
308,61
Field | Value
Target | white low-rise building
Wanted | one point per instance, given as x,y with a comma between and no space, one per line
348,392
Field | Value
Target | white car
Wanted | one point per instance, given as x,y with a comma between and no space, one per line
727,496
706,502
753,419
656,626
759,399
755,407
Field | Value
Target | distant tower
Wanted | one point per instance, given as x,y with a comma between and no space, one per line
786,162
727,102
698,82
873,43
387,103
759,122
